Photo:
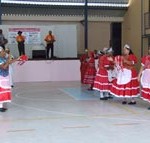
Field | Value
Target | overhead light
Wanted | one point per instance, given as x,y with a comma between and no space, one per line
64,3
43,3
108,4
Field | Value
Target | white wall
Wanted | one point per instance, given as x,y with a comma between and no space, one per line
65,45
47,70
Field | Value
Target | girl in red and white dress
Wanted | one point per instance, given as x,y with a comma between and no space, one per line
90,71
83,65
103,78
144,77
126,84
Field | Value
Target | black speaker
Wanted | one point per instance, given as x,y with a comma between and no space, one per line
115,39
39,54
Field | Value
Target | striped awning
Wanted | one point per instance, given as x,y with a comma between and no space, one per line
96,8
99,3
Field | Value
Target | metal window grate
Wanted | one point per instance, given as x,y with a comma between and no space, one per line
147,20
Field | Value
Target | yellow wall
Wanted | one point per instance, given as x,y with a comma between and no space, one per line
100,31
145,9
131,28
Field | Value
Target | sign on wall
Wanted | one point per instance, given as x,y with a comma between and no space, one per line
32,35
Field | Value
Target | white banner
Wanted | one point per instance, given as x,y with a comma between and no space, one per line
32,35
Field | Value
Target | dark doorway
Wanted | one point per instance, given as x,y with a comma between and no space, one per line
115,39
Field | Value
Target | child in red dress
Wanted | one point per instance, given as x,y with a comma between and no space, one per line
90,71
103,77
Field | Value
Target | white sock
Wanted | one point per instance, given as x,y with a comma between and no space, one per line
106,94
1,105
132,100
101,94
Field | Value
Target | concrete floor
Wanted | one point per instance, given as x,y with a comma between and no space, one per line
66,112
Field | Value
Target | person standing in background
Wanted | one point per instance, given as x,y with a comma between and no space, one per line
50,39
21,46
90,72
3,40
83,64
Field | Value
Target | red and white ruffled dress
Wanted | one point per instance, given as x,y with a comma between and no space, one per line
5,88
145,78
126,83
102,82
83,66
90,72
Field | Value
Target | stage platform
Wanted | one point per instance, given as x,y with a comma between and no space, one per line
47,70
